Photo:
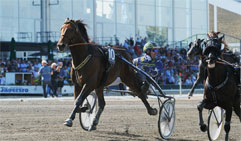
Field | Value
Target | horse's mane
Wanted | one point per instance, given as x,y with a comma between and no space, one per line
82,28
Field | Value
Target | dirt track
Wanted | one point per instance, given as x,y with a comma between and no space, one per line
123,119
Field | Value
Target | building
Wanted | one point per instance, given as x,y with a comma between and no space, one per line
165,20
225,17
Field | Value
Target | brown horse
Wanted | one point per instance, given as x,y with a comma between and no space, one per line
89,71
220,88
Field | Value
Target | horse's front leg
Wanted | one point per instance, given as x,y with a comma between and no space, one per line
101,100
200,77
193,87
227,122
79,100
200,107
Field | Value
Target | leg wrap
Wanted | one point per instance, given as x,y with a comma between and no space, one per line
227,127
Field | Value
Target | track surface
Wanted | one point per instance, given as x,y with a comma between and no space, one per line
124,118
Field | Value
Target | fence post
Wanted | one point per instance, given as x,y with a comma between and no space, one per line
180,84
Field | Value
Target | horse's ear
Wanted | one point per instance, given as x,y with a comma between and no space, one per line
190,44
221,38
208,35
66,20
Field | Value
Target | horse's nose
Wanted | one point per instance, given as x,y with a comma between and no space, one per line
60,46
212,58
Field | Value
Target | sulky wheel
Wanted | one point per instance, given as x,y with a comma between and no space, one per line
166,119
215,123
87,116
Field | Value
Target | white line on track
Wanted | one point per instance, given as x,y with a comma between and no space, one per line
19,98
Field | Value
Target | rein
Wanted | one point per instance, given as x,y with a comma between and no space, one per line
222,61
81,44
81,65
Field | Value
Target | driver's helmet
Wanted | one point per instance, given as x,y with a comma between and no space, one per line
149,46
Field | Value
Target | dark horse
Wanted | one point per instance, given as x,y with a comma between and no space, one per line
195,49
89,71
220,88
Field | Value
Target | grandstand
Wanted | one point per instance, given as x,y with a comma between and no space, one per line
113,23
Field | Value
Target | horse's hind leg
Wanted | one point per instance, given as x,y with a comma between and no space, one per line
237,106
151,111
227,122
200,107
101,100
131,81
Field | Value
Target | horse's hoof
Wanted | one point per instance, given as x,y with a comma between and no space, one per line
92,128
203,128
226,137
189,95
153,111
68,123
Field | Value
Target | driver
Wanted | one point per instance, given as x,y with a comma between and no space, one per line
148,63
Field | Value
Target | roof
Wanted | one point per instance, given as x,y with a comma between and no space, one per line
24,46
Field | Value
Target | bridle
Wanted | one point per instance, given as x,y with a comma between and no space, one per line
81,44
76,29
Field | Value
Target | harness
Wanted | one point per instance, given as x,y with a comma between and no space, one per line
214,89
111,58
86,60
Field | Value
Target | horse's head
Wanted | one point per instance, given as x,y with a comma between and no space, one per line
213,44
195,48
213,48
71,32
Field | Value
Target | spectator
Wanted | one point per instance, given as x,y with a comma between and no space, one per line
2,79
36,79
61,77
188,81
45,72
126,44
2,68
54,78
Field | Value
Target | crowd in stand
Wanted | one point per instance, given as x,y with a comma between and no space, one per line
175,65
31,66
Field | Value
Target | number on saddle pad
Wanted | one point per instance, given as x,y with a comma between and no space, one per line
111,56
